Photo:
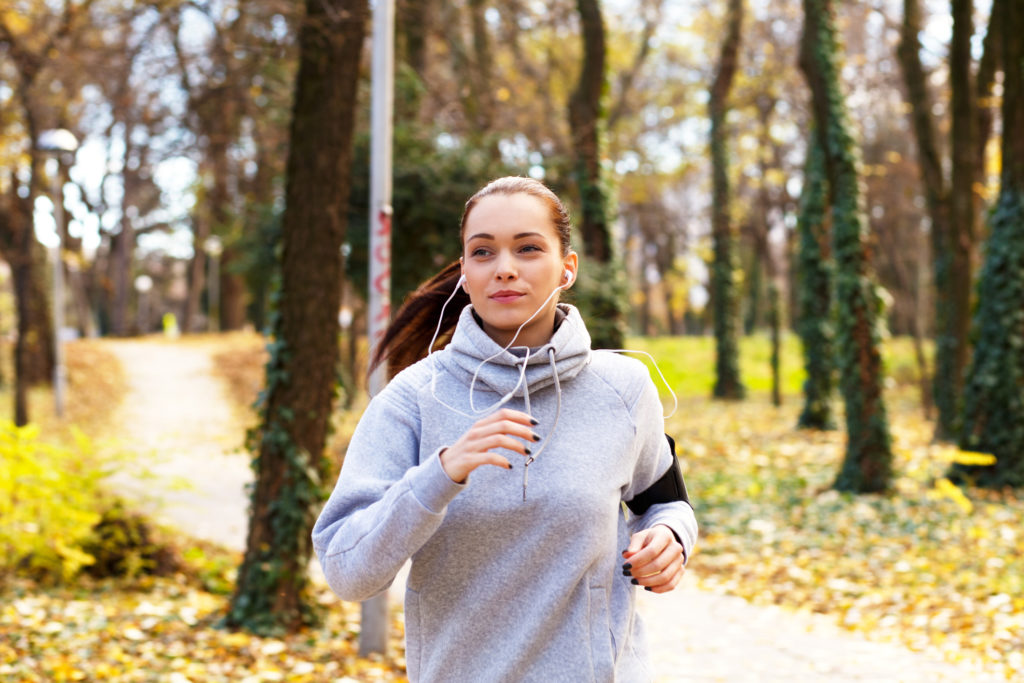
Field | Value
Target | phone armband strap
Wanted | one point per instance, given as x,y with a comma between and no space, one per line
669,489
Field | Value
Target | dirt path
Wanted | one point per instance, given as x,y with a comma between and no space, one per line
179,418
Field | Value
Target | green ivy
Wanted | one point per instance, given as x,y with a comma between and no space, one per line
600,294
993,417
815,269
725,277
867,463
292,512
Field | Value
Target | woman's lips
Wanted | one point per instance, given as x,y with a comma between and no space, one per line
506,297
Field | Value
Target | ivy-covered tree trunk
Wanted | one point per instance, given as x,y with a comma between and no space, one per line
994,390
724,293
600,291
302,370
867,465
814,264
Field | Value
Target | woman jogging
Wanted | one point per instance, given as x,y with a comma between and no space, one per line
500,464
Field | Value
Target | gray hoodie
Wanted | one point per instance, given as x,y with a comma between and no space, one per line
503,589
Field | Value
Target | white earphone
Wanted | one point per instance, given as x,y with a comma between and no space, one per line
568,277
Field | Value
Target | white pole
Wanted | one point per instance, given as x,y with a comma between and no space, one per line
59,371
374,631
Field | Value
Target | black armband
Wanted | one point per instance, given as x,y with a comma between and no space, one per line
669,489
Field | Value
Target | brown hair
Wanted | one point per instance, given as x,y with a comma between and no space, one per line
408,335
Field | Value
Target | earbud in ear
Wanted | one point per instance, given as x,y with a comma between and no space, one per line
462,283
568,276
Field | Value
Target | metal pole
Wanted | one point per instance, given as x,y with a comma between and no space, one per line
374,631
59,371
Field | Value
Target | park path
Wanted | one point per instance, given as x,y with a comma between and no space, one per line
178,417
179,421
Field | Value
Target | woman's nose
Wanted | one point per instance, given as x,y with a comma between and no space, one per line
505,268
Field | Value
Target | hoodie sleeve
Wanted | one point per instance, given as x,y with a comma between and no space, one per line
386,503
653,459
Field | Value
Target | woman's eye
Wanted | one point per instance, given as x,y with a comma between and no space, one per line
479,251
530,247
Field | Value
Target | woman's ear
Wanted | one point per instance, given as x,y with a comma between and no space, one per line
571,267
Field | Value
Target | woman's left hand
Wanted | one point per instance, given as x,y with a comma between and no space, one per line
654,559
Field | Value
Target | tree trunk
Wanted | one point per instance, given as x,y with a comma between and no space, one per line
196,273
963,216
994,391
601,297
233,293
867,465
728,384
272,582
814,264
937,199
774,318
33,350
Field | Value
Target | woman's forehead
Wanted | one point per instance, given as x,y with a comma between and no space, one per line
509,216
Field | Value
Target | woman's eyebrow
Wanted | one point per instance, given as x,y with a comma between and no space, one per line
488,236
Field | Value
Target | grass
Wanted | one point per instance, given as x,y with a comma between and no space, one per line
688,363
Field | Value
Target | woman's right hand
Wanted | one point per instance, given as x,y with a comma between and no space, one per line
475,447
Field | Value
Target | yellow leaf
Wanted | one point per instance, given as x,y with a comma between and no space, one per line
973,458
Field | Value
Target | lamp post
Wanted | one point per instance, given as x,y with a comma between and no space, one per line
61,144
214,248
143,284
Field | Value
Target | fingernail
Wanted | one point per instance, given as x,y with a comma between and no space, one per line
534,422
626,572
509,466
627,566
528,451
634,582
536,437
647,588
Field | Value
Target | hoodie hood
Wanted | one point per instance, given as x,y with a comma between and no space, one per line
471,346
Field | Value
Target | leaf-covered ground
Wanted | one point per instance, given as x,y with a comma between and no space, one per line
165,630
930,566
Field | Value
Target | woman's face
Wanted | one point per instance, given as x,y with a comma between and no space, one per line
513,261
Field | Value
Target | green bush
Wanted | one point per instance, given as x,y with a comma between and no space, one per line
49,502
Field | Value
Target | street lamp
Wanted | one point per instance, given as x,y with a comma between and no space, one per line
143,284
214,248
61,144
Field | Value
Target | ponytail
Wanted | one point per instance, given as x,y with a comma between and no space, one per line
409,334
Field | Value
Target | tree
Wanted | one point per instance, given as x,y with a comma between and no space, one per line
601,291
301,372
952,206
815,282
994,390
33,43
728,384
867,465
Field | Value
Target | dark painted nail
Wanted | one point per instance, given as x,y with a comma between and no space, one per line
536,437
528,451
509,466
534,422
627,566
626,572
634,582
647,588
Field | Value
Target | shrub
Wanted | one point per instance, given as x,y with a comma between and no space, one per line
49,502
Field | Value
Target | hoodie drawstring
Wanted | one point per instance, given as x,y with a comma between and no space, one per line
558,414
